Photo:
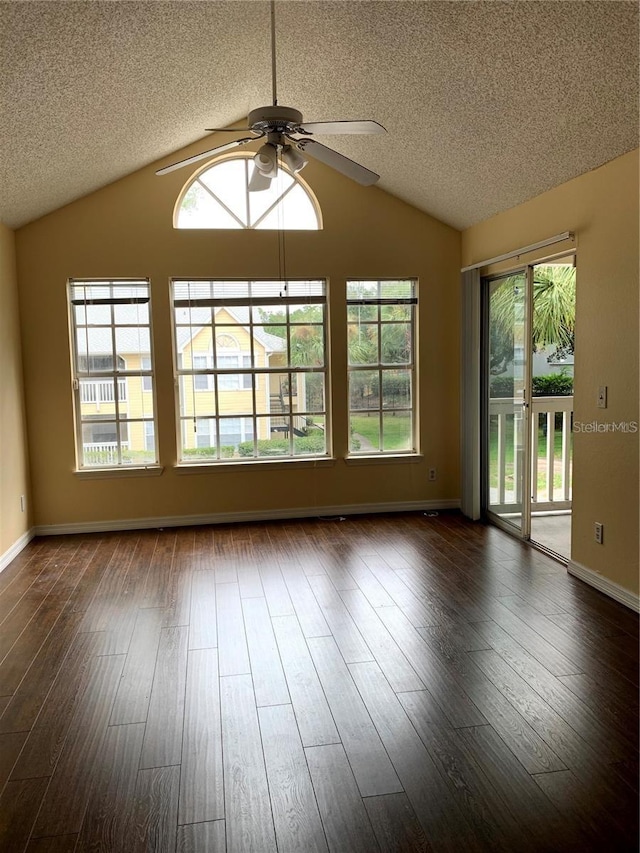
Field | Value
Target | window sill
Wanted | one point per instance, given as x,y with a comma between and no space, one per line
107,473
384,459
277,464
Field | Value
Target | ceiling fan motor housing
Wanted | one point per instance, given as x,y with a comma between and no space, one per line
280,119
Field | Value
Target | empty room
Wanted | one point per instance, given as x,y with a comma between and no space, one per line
319,462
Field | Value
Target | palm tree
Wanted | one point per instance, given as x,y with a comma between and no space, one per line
554,312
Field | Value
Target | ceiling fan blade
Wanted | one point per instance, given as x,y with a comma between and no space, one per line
341,127
259,181
339,162
227,129
166,169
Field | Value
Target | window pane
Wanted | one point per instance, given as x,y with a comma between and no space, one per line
306,313
232,400
237,433
396,343
396,431
264,315
225,181
307,346
362,313
260,202
149,437
198,439
100,443
132,343
131,315
396,289
362,290
363,389
396,389
364,433
202,404
363,343
138,445
200,210
396,312
135,401
294,213
308,441
273,436
94,342
97,315
279,398
310,396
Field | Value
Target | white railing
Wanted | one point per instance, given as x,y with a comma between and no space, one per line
545,495
102,391
546,468
102,453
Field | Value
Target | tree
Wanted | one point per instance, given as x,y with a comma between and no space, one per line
554,314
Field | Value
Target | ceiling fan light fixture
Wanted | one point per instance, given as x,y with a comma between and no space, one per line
266,160
293,159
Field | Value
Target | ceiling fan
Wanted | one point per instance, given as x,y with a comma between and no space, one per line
288,139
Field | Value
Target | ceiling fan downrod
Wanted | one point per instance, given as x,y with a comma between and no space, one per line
274,90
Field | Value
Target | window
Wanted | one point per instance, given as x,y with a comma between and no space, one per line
219,197
112,373
381,343
252,371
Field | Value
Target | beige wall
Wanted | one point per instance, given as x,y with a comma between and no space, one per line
601,207
126,229
14,470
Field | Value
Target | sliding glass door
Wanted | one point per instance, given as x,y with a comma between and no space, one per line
528,337
507,350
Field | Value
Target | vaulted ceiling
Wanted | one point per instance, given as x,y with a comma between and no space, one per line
487,104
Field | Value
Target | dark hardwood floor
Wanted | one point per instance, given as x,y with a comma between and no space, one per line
387,683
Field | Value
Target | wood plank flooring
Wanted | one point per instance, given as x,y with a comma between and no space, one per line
388,683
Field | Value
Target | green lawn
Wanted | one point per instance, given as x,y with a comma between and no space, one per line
397,430
542,453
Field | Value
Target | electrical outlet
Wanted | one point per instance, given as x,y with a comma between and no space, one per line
23,503
433,474
598,532
602,397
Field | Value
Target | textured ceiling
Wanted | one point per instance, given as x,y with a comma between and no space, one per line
487,103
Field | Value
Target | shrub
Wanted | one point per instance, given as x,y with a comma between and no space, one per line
552,385
305,444
501,386
226,452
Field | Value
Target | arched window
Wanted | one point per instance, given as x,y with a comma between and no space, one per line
219,197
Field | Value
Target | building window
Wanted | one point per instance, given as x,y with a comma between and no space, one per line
381,354
112,373
251,369
219,197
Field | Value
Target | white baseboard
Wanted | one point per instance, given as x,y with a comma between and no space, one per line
12,552
251,515
608,587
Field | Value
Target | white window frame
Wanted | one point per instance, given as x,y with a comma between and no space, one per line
258,374
379,301
117,376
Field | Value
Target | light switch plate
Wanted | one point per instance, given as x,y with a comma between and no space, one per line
602,397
